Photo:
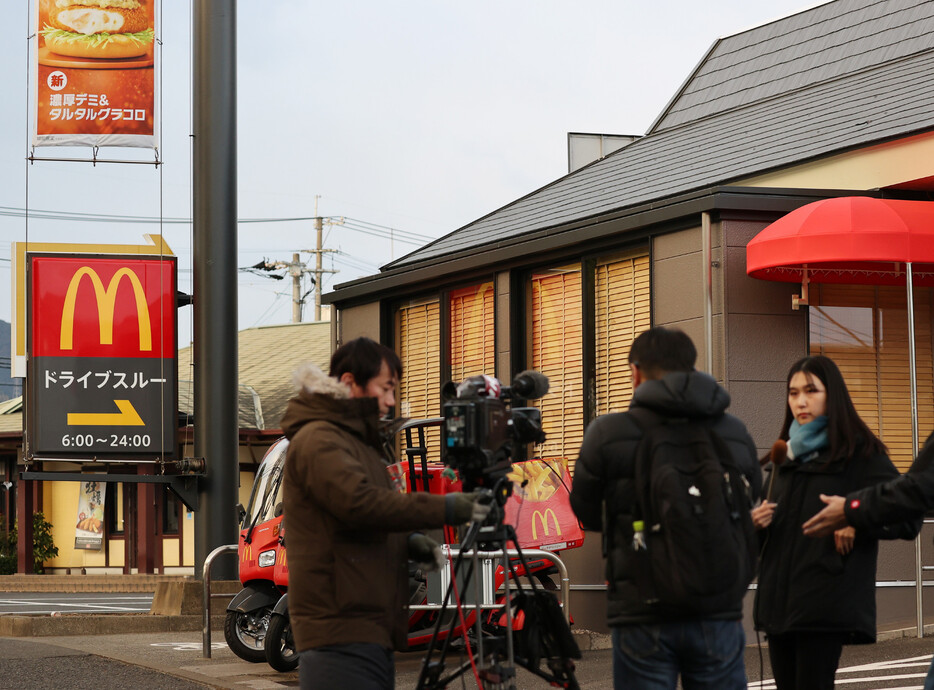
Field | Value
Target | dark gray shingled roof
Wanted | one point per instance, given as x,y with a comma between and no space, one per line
822,43
882,93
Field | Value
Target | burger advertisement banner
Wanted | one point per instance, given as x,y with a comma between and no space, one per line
94,62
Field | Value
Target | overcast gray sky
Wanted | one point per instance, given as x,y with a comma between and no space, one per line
420,115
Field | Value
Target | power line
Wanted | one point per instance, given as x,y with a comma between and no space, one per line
361,226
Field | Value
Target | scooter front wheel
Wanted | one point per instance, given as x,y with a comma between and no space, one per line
280,646
246,632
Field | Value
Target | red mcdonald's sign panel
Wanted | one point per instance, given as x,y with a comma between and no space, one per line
102,376
85,301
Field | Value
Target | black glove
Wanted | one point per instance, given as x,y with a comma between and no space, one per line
460,508
426,552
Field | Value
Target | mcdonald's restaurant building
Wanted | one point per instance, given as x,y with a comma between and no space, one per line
655,233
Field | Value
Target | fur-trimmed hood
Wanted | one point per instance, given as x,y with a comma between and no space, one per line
309,377
322,398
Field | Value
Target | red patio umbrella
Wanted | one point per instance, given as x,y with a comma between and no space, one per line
854,240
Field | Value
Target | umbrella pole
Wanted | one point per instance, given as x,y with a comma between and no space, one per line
912,365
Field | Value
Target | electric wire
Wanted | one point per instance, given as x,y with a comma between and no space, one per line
363,227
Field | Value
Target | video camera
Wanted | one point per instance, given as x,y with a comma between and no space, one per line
482,434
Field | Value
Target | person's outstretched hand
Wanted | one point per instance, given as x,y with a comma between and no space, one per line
827,521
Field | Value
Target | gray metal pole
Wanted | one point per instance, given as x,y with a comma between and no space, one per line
913,375
214,182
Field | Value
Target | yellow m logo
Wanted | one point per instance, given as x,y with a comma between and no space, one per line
106,298
247,552
542,519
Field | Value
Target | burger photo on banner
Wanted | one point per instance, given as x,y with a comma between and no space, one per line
95,73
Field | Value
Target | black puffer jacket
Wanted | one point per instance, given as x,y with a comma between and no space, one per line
605,474
804,584
905,498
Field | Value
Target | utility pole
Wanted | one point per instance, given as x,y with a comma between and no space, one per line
319,226
296,269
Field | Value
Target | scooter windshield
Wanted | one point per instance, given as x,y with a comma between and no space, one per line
267,486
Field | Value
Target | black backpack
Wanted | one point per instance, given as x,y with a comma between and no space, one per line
697,551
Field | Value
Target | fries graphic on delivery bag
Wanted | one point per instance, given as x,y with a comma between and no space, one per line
543,478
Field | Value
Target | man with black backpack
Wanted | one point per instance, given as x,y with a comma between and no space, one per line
670,484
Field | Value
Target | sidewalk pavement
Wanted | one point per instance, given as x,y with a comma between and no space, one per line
165,651
174,661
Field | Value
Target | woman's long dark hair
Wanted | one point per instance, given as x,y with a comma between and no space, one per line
848,434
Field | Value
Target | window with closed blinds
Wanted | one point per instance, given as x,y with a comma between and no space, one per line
472,345
555,349
621,312
864,329
418,337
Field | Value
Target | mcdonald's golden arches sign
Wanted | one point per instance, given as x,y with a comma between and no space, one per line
102,378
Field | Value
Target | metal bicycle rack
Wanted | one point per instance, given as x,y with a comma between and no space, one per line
207,596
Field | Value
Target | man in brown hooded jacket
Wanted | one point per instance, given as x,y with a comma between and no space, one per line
348,526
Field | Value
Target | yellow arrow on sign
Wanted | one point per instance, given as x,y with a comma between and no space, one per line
127,416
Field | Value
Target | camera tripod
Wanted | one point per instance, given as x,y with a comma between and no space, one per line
544,634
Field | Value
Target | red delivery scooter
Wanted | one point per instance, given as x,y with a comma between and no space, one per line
258,549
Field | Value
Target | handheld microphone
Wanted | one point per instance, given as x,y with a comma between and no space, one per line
777,456
529,384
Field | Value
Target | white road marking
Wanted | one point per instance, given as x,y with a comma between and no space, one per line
879,666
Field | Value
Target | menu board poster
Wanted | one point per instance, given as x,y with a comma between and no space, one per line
95,68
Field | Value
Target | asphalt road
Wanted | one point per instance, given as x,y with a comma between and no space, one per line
45,603
32,664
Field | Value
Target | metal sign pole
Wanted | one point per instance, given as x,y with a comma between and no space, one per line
214,176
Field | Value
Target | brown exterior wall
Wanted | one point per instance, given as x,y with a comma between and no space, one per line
763,336
502,321
353,322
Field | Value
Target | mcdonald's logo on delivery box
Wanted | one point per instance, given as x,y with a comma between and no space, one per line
103,307
540,518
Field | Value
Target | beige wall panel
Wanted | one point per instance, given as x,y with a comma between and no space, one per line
503,352
897,558
188,539
695,330
761,406
362,320
677,292
170,552
888,164
116,550
763,337
747,295
677,243
770,344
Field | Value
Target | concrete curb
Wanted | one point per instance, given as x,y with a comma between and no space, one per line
79,624
87,583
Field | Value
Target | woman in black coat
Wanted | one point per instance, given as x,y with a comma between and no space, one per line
815,595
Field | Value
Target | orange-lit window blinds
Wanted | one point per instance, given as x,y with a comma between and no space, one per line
864,329
418,336
621,312
555,349
471,332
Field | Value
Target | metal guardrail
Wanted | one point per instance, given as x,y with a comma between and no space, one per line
529,554
207,596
